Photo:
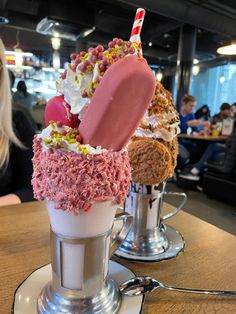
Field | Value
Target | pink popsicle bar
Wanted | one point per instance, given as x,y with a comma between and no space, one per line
118,104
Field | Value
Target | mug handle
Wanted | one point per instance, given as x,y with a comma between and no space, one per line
175,211
118,237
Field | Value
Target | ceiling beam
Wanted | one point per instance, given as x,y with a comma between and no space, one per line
3,4
189,13
3,8
28,19
162,28
23,6
74,15
98,37
156,53
22,21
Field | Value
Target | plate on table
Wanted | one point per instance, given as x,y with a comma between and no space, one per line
176,245
26,295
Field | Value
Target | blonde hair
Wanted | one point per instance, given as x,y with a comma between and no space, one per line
7,134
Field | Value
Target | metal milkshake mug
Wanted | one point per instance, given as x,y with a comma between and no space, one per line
147,235
80,279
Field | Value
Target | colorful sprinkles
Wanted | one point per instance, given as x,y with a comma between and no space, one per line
60,137
99,60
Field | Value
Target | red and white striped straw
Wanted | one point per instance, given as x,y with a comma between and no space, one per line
137,26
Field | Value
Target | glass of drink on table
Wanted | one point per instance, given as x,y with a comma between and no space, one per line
83,174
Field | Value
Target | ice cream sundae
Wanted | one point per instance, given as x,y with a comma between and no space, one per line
82,171
154,147
153,152
76,167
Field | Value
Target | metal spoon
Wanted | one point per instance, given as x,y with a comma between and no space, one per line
143,285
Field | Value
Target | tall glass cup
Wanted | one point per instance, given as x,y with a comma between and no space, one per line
80,250
147,235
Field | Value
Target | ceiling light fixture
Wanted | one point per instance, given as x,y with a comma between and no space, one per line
3,20
87,32
159,76
18,51
150,44
222,79
195,69
166,35
56,62
228,50
56,43
56,34
62,29
18,57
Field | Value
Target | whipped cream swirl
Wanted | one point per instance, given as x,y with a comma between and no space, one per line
65,138
160,126
86,70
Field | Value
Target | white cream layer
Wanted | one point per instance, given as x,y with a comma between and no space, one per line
66,145
162,126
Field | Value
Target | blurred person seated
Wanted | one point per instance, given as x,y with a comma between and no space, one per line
22,98
183,158
38,110
19,106
187,117
16,136
12,79
225,111
203,113
188,150
224,156
233,110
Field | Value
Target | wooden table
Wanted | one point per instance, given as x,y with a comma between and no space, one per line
208,261
220,138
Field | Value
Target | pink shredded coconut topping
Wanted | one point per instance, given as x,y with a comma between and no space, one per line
74,181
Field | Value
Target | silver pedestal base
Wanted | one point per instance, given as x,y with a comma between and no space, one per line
153,242
106,302
176,245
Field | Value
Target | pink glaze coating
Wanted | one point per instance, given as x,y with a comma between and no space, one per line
74,181
58,109
118,104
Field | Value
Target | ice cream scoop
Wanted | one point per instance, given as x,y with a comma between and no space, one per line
75,180
154,148
86,69
58,109
118,104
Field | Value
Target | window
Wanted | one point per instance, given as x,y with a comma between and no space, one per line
213,86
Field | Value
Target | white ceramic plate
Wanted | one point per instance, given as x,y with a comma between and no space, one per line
176,245
27,293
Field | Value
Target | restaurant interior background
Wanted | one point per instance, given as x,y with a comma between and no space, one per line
179,41
176,39
33,23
